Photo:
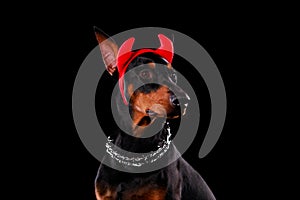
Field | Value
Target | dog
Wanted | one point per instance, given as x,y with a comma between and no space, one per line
148,103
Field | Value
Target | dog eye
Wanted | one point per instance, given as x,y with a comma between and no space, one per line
146,74
173,77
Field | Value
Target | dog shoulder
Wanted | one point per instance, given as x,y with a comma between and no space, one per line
194,186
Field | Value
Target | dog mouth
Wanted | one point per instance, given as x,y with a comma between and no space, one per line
152,115
151,108
178,111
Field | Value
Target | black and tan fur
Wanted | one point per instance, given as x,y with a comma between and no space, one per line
174,182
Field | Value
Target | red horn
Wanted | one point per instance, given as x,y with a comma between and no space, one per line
166,48
124,54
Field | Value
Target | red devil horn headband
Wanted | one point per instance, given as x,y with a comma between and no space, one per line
126,55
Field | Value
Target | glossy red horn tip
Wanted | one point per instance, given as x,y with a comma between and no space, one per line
124,54
166,47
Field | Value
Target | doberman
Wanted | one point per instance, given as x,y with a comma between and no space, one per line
157,96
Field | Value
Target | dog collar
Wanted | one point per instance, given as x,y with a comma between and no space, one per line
143,159
126,55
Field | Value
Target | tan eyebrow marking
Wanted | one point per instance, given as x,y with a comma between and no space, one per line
130,89
169,66
151,64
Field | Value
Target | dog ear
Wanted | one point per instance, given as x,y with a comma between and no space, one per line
109,50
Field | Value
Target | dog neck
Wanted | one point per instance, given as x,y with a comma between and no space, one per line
146,144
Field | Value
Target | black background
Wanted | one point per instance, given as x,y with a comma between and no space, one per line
56,157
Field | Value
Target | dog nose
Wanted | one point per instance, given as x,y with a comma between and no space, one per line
181,100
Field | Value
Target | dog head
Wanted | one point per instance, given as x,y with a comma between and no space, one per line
149,87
